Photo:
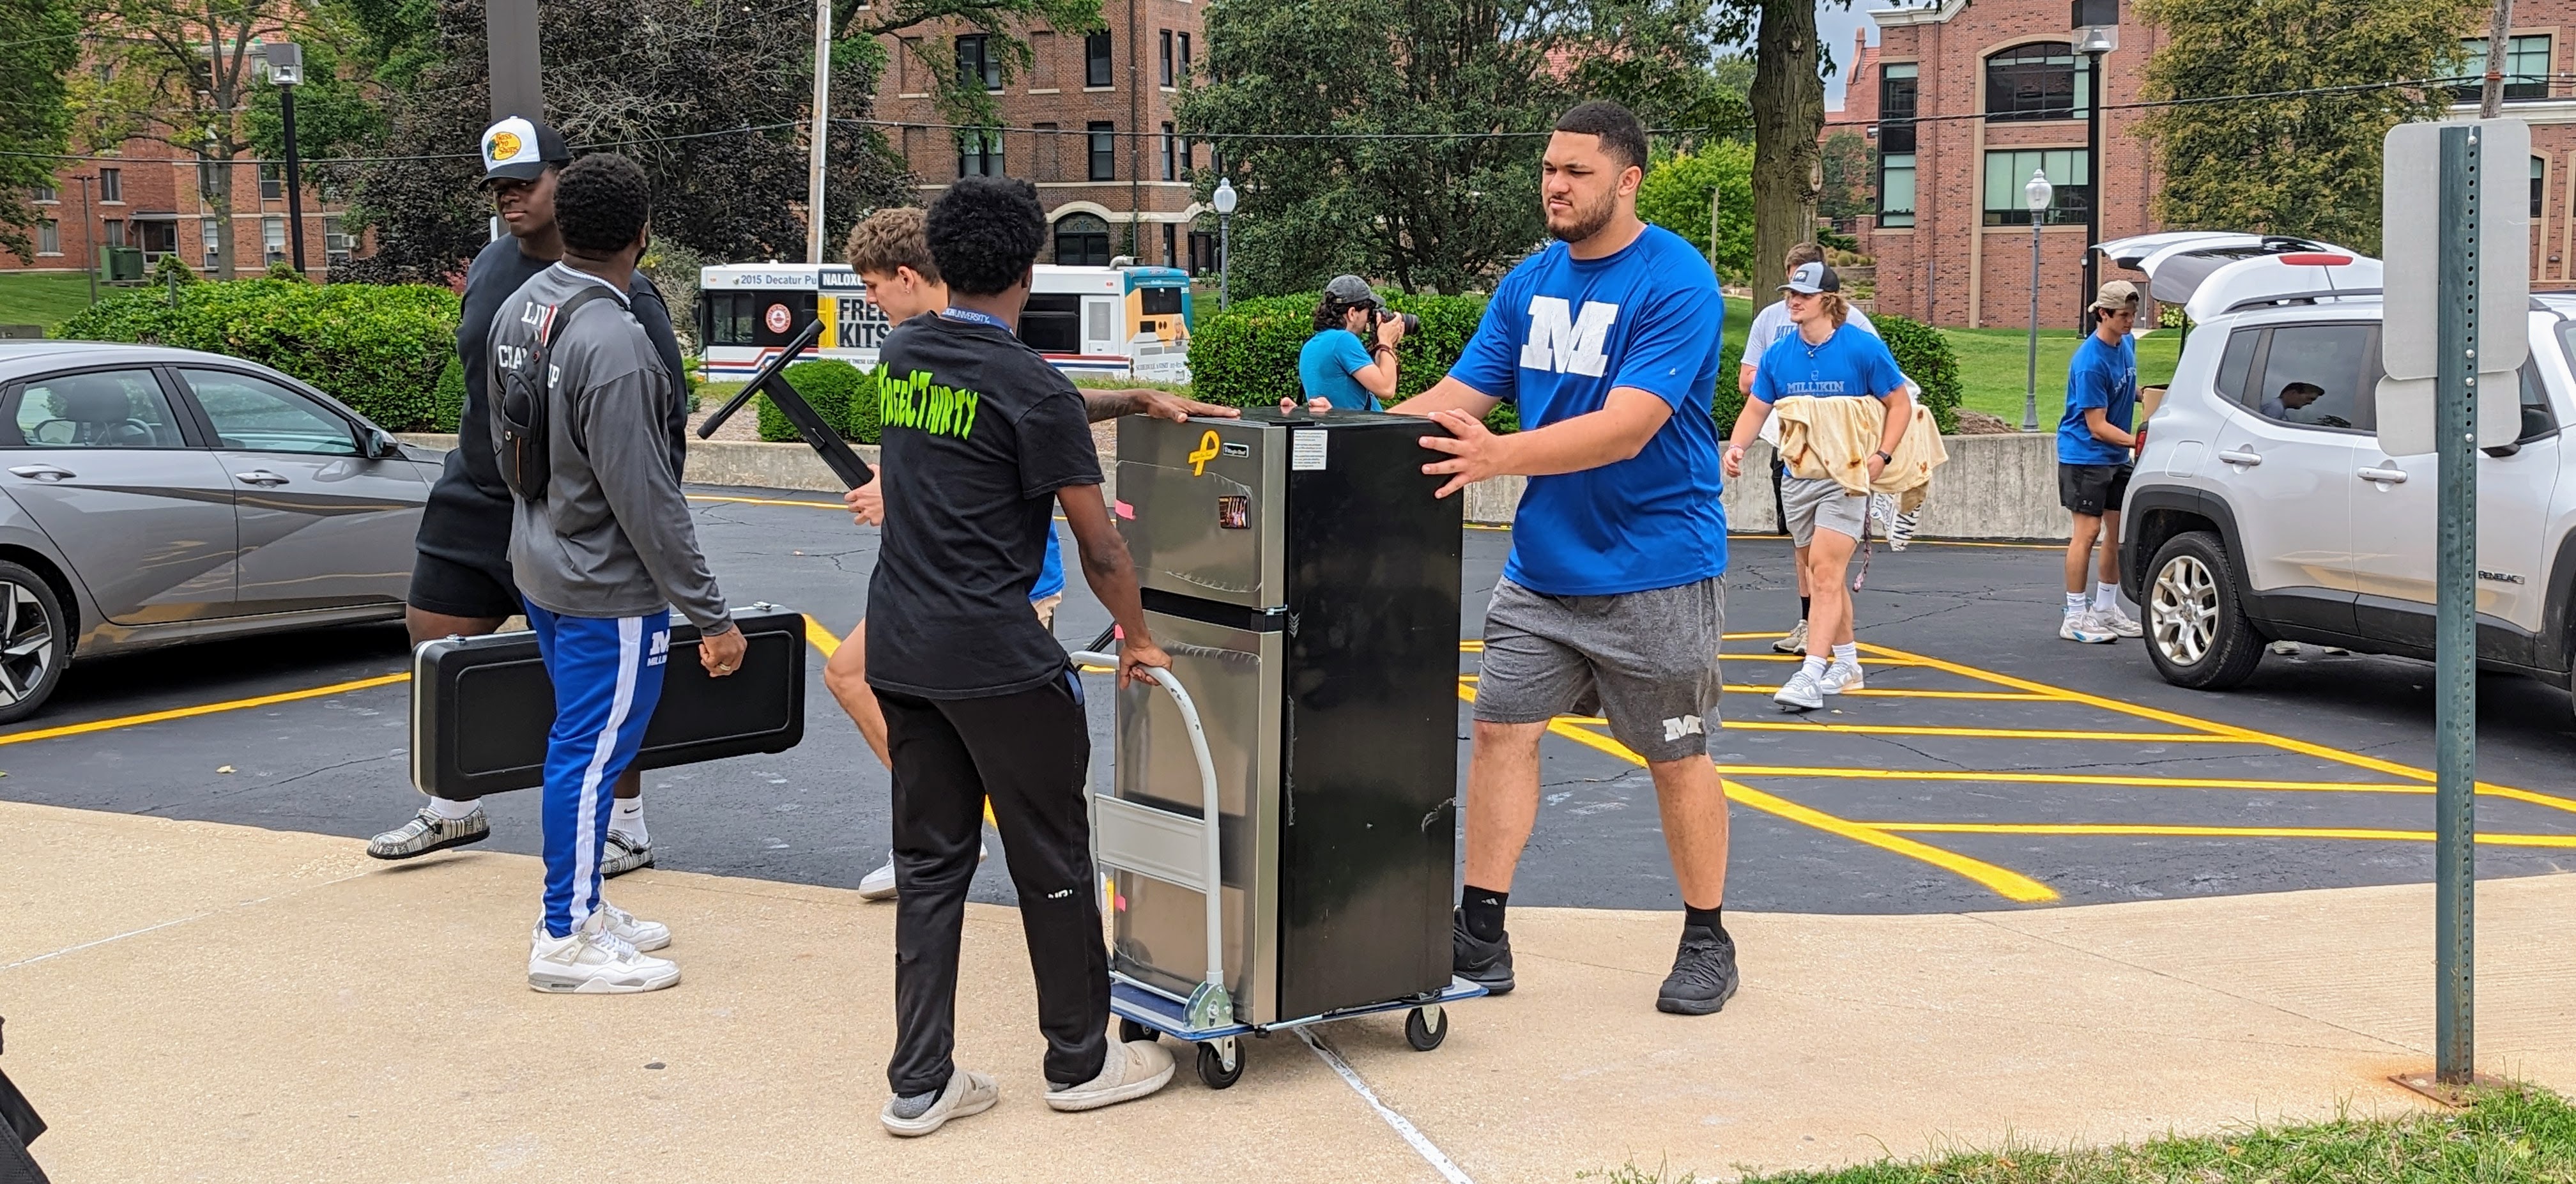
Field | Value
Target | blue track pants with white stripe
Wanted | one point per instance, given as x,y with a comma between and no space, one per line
608,675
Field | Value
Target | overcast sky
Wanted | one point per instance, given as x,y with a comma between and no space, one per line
1834,25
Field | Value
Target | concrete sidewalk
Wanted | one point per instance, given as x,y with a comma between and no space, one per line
190,1001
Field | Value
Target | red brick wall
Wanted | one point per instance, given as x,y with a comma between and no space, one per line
157,190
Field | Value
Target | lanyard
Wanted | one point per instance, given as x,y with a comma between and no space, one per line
972,317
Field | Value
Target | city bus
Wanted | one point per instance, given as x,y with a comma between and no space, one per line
1110,322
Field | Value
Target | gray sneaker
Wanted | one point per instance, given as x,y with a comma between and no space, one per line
623,854
428,832
1801,693
1795,642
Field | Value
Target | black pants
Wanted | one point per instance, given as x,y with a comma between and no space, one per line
1028,753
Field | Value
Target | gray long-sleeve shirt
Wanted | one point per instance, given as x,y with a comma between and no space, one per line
613,537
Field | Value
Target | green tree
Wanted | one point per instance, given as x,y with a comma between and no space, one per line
44,40
2299,164
1675,196
1849,163
1449,205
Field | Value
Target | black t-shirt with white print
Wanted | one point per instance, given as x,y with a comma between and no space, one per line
979,433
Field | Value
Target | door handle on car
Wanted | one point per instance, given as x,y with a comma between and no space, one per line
2240,456
2385,476
259,477
42,473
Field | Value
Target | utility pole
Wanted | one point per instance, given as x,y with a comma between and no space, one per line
510,46
286,72
819,133
2499,31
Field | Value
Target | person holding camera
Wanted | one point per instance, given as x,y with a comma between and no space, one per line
1335,368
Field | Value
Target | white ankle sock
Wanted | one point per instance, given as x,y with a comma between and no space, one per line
2105,597
629,820
1816,665
2074,603
1847,654
451,811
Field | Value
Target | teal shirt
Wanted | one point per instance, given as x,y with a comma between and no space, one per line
1325,367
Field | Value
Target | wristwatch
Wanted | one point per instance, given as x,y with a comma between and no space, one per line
1884,458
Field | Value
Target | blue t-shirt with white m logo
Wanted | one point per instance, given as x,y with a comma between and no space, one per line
1559,335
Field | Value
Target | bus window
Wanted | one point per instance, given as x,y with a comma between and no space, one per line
732,318
1052,323
1161,302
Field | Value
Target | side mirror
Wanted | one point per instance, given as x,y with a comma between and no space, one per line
381,446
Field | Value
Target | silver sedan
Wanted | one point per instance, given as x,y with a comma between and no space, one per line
153,496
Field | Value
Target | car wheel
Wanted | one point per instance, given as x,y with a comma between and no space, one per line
2197,633
35,642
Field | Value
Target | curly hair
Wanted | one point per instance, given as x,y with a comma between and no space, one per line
985,232
1329,314
602,203
889,239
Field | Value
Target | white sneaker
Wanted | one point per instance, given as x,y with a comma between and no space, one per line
2118,621
594,961
1133,1070
645,936
968,1092
2080,626
1803,692
879,884
1795,642
1840,677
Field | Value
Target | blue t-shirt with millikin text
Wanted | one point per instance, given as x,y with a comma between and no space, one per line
1849,363
2104,376
1325,367
1559,335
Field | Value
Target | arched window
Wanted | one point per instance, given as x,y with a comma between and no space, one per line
1082,240
2041,80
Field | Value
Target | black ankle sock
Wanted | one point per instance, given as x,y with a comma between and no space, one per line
1484,912
1803,602
1710,917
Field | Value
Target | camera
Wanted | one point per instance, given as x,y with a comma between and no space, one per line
1412,323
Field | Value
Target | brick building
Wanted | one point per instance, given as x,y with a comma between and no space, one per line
1962,101
162,207
1090,123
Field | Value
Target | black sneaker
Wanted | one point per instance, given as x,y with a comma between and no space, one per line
1487,964
1703,976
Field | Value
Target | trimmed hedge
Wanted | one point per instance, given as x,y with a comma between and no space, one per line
1246,356
844,395
378,348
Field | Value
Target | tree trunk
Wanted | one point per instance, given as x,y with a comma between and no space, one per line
220,202
1788,114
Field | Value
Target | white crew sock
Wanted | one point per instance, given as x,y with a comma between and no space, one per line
2074,603
1847,654
629,820
451,811
2105,597
1816,665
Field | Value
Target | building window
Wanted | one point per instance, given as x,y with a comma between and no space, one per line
1104,152
908,66
43,193
1895,190
1095,59
1042,61
49,237
272,238
2539,183
1202,252
111,185
335,241
1171,166
1167,57
976,66
2526,68
1171,245
2068,172
112,233
979,154
272,181
2042,80
1082,240
1185,56
209,238
1896,105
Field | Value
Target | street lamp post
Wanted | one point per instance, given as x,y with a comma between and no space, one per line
89,235
1224,199
2098,25
286,72
2037,193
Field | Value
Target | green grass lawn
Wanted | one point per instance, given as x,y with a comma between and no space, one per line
1993,364
35,298
2525,1136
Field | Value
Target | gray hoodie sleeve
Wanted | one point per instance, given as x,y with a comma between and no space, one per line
620,424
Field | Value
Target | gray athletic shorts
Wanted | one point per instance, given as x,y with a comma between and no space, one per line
1646,660
1816,502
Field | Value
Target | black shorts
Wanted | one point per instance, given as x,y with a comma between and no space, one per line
455,588
2090,490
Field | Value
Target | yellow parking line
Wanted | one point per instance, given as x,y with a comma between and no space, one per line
821,638
1474,646
2004,882
1985,733
766,501
1803,657
2027,778
1988,696
2285,743
154,717
2212,832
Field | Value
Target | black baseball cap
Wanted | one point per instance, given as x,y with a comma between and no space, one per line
1351,291
520,148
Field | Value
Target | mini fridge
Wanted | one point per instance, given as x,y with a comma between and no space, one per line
1306,584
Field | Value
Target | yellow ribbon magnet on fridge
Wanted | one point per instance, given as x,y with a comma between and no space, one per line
1205,453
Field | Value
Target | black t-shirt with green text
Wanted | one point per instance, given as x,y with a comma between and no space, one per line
979,433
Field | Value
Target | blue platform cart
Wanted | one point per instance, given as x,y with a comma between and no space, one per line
1185,854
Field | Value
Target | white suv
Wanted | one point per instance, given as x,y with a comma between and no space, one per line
2263,507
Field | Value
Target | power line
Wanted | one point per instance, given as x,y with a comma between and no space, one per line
2198,100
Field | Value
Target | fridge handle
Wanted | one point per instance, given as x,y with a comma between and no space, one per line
1209,1005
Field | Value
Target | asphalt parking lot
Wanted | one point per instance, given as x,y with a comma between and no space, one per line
1988,764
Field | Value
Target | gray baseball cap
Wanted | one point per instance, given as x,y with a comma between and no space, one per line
1351,291
1811,278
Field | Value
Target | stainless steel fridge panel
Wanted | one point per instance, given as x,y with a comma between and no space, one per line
1160,930
1214,491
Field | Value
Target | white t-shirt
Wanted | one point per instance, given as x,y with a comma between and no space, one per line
1769,326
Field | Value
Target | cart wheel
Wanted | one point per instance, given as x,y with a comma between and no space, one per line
1214,1068
1129,1031
1426,1027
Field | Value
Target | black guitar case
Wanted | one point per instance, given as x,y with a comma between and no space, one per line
481,706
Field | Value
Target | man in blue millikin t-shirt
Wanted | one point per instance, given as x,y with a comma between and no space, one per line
1610,603
2093,445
